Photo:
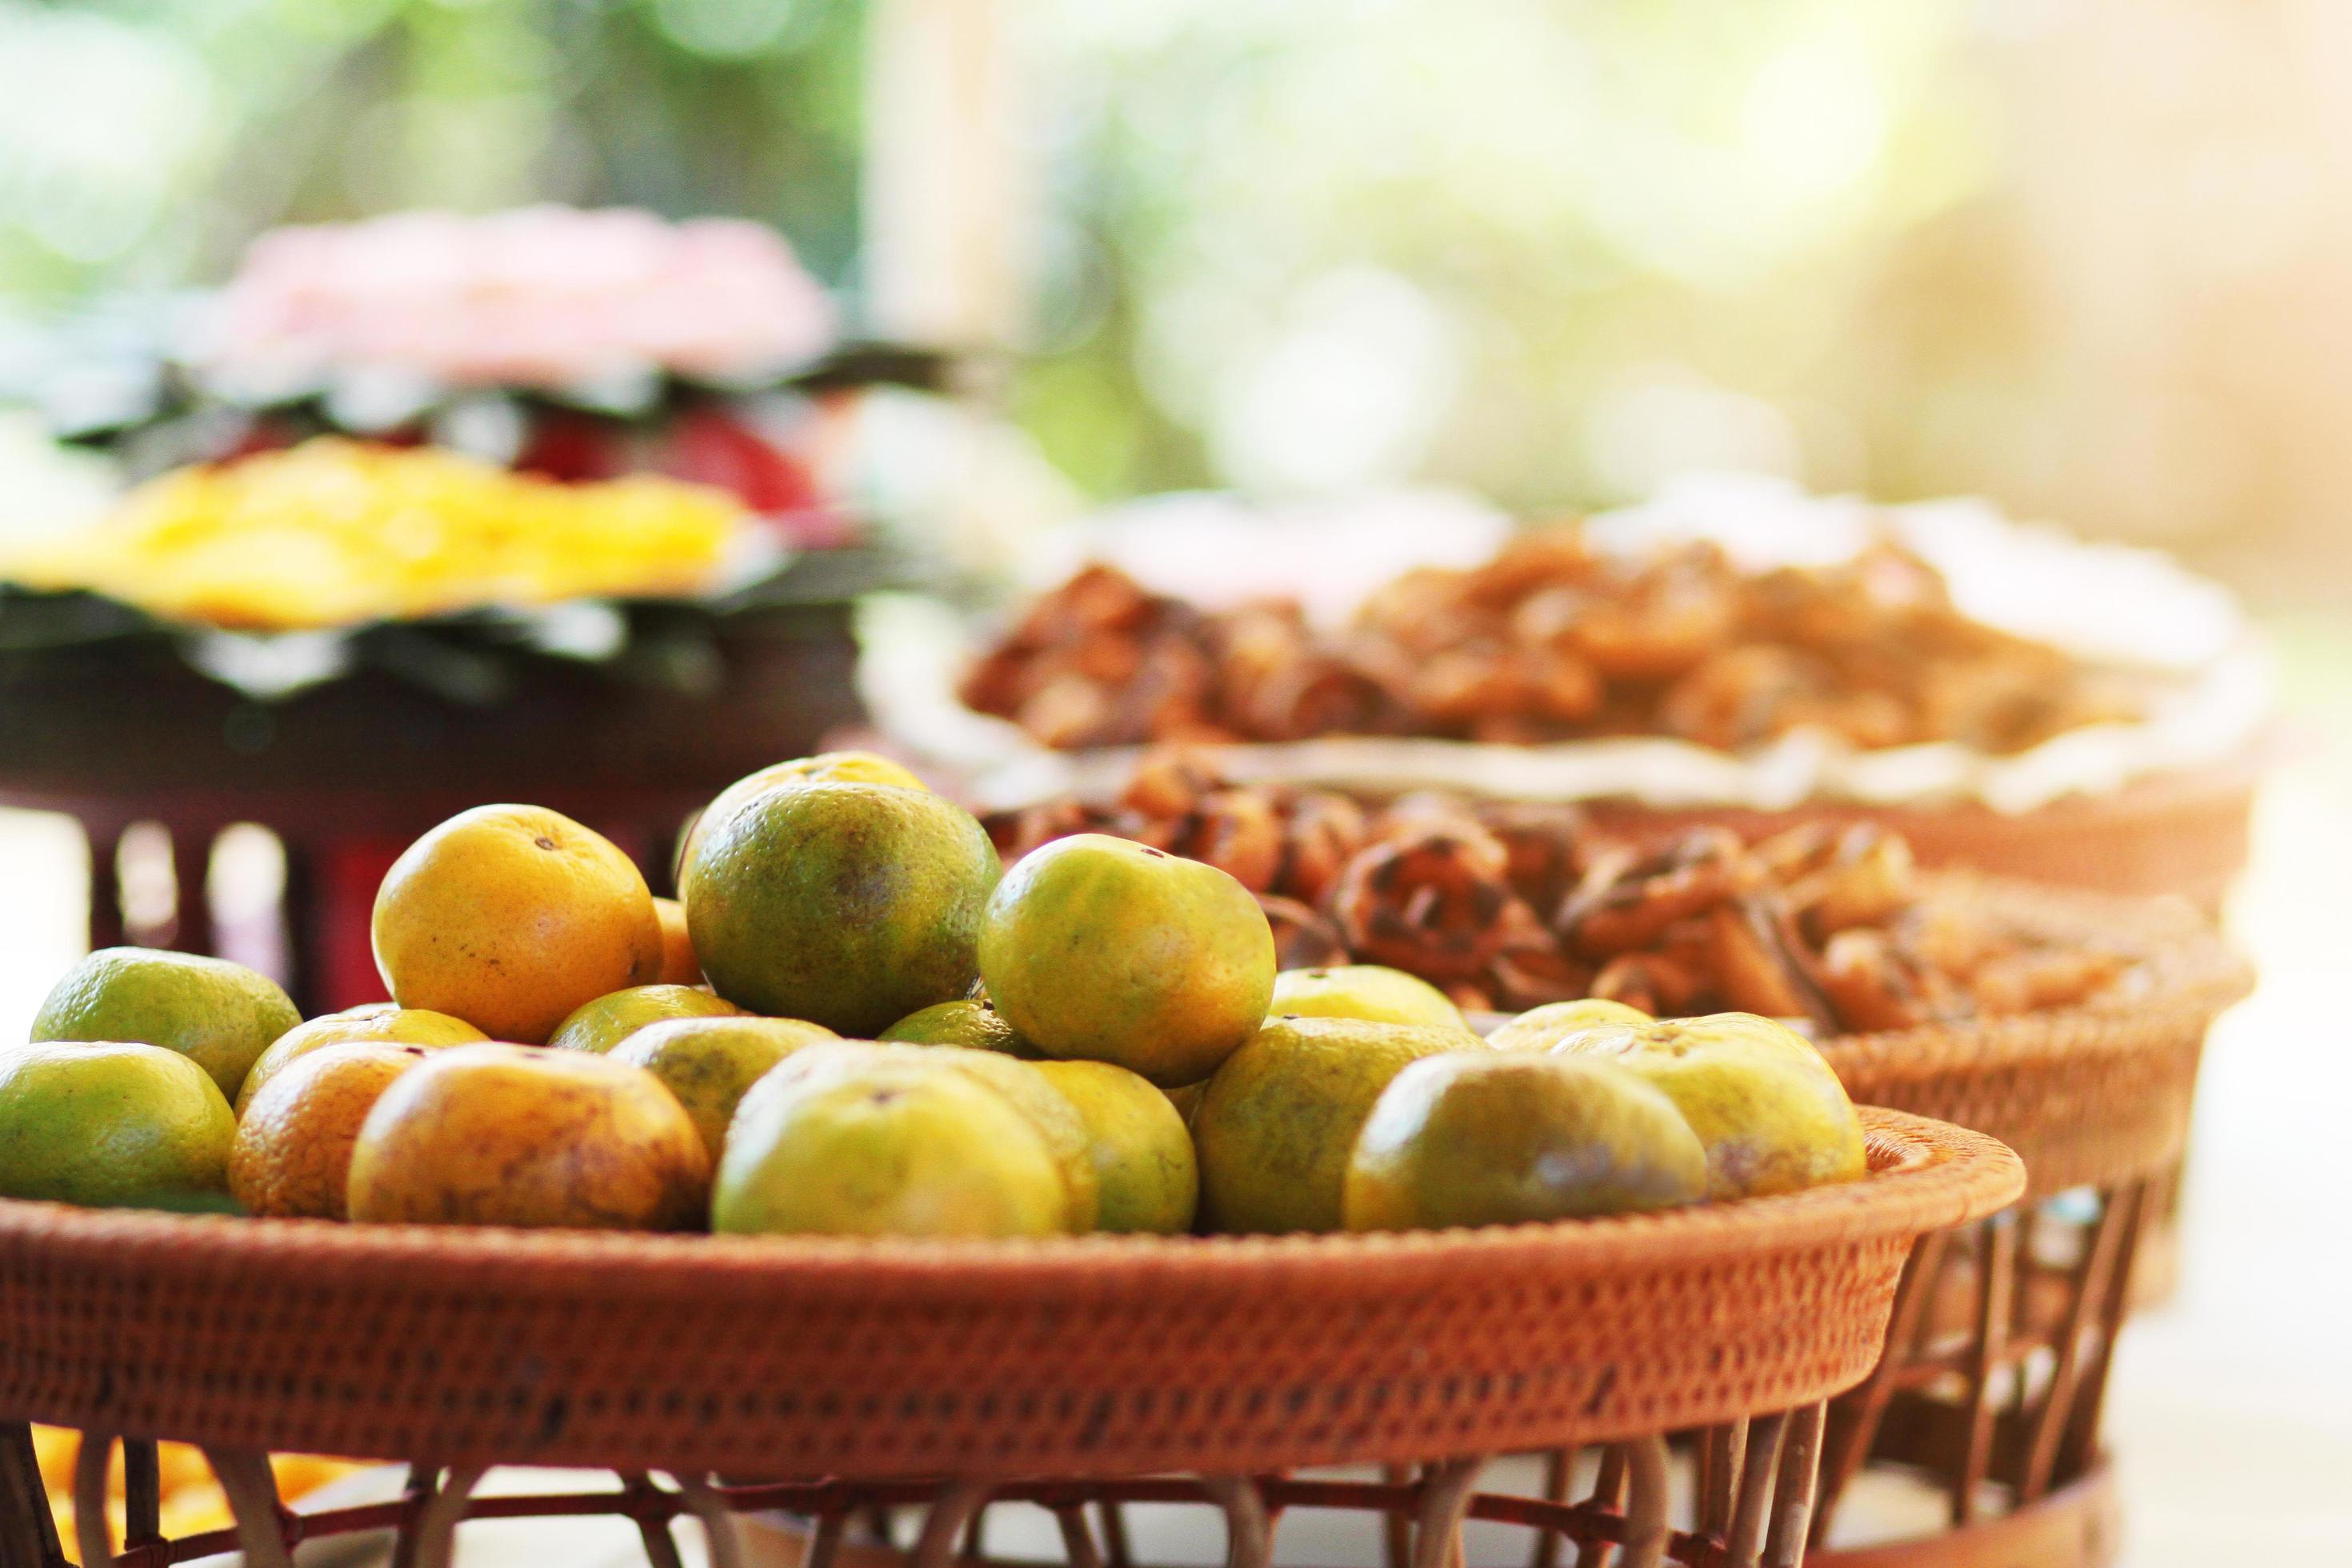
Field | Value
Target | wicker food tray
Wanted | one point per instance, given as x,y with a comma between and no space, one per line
2184,833
1077,1357
2087,1094
2003,1333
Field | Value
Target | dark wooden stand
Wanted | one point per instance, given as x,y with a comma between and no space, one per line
347,773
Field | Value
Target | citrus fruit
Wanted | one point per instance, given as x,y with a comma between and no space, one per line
1499,1138
220,1015
970,1022
851,905
384,1025
1145,1170
1019,1084
1275,1126
709,1063
110,1122
1769,1111
293,1149
1368,991
597,1026
1097,948
502,1134
888,1148
825,767
679,964
1541,1028
511,916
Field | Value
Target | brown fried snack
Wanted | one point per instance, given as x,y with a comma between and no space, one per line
1550,640
1511,906
1303,937
1435,898
1629,898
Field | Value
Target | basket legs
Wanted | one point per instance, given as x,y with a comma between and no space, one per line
1854,1419
1751,1511
1996,1307
434,1533
653,1525
2098,1287
1609,1492
1444,1503
142,1501
1997,1359
1647,1496
438,1503
725,1545
28,1531
1077,1537
90,1536
956,1506
824,1540
1751,1497
1758,1465
1249,1529
252,1490
1793,1491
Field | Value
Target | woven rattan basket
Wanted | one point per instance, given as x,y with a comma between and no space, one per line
867,1362
2000,1346
2089,1094
2183,833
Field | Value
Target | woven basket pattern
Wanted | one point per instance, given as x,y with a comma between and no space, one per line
1077,1357
2094,1095
2184,833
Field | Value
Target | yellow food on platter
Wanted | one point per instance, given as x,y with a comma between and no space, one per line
336,533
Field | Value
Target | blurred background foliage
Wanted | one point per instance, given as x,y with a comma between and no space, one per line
2094,261
142,143
1331,243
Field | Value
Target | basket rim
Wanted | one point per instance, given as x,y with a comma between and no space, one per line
1924,1175
880,1358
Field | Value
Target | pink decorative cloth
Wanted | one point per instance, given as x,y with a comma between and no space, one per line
537,297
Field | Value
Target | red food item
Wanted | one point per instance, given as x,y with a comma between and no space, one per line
711,446
573,448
